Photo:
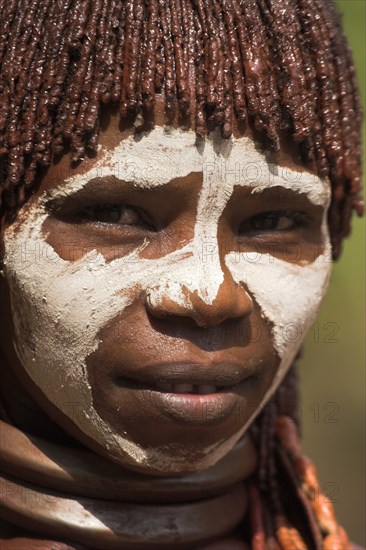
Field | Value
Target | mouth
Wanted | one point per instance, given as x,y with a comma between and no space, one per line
172,387
201,405
207,396
187,378
203,389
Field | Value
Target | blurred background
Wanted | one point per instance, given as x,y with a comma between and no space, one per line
333,366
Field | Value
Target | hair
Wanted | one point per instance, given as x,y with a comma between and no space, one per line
284,67
300,516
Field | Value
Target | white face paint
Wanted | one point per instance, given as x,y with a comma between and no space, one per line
59,307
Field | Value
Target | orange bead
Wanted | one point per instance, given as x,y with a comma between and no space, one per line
324,513
288,536
333,542
307,473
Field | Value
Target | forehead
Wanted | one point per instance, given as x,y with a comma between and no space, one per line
154,159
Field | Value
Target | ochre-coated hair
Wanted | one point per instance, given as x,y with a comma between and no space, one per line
282,66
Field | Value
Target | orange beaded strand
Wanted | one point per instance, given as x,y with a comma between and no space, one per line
334,536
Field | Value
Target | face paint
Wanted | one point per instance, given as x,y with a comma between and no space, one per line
61,306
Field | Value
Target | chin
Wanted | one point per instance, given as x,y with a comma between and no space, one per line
174,458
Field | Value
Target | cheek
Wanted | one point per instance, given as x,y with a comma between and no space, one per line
62,308
288,295
58,308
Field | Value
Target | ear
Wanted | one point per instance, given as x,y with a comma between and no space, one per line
3,225
2,248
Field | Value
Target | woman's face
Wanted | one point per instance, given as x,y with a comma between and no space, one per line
160,291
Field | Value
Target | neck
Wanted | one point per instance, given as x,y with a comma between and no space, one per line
19,409
82,497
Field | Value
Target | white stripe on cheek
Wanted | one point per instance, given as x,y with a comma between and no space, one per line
289,296
61,306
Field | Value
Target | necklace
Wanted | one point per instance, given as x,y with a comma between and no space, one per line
77,495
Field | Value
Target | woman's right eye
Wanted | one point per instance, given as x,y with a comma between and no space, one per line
113,214
116,214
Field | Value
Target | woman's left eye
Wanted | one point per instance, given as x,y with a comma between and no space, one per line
282,220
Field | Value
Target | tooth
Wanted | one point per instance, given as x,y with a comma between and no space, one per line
164,386
206,389
182,388
186,388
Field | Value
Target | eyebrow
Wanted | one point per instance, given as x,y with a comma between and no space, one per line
109,183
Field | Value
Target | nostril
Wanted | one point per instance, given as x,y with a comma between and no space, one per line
172,298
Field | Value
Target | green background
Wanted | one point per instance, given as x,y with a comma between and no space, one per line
333,367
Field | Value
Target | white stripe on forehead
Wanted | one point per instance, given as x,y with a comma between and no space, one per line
159,156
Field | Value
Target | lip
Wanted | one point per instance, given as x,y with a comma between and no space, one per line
219,374
193,409
234,383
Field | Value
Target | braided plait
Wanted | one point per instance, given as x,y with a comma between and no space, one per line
212,61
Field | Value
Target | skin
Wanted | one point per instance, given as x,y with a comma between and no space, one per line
230,325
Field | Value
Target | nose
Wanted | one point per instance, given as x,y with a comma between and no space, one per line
168,300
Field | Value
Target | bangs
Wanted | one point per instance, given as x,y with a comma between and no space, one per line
283,66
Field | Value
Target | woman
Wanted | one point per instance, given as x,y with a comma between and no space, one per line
149,386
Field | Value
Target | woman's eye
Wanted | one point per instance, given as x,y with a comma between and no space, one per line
113,214
275,221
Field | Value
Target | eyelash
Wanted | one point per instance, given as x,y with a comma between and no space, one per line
298,220
89,214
